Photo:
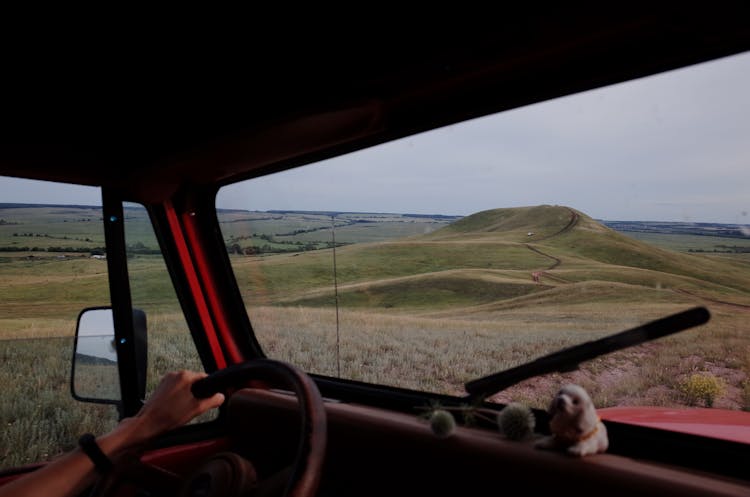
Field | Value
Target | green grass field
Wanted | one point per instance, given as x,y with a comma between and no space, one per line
247,228
422,304
479,274
687,243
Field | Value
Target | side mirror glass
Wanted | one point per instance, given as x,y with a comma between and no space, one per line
95,375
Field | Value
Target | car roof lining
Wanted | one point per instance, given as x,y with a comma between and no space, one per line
159,129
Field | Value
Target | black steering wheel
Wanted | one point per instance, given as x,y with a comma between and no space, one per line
301,480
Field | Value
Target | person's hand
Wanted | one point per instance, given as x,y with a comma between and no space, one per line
172,404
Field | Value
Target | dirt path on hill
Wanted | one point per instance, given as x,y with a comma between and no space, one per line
536,250
537,275
571,224
740,307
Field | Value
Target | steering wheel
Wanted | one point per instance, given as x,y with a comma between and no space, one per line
301,480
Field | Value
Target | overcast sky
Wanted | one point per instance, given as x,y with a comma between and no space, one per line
674,146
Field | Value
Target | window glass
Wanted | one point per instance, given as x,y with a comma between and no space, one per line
170,345
51,267
449,255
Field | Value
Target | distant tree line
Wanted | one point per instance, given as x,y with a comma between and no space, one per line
76,250
140,248
136,248
347,222
723,249
46,235
287,247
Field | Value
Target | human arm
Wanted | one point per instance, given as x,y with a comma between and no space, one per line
171,405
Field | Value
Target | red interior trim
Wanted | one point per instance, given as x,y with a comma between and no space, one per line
369,448
182,459
8,475
195,285
201,261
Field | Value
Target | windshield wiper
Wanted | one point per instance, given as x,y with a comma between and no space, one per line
568,359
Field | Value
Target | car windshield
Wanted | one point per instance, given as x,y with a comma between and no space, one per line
450,255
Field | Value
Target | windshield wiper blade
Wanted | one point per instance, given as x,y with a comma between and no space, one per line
568,359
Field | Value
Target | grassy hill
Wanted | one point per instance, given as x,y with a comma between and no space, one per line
499,258
496,289
591,243
491,258
518,224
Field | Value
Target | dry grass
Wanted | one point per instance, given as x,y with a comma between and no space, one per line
441,354
39,417
430,352
412,352
651,374
36,327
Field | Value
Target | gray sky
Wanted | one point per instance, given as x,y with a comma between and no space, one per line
24,191
674,146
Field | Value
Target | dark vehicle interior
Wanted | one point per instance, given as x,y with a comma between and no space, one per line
167,125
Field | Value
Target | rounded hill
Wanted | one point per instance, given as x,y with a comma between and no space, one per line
515,224
519,256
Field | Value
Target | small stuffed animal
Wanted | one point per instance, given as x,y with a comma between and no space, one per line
574,424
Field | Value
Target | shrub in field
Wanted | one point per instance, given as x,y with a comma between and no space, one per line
702,387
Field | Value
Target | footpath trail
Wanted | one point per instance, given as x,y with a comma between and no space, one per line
739,307
571,224
536,275
554,264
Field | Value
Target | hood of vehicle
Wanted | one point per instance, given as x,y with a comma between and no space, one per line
714,423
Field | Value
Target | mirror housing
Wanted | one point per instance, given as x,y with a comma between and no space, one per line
95,373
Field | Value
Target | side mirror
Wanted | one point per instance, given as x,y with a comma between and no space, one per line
95,375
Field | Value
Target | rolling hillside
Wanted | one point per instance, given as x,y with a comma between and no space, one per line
500,259
496,289
424,302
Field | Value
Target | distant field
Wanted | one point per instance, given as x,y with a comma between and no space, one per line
45,227
278,229
691,243
424,302
54,229
410,303
80,227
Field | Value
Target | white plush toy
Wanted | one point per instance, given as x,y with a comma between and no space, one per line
574,424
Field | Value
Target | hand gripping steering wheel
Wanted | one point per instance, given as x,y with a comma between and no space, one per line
304,476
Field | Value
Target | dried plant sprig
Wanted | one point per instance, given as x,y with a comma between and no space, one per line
516,421
442,423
